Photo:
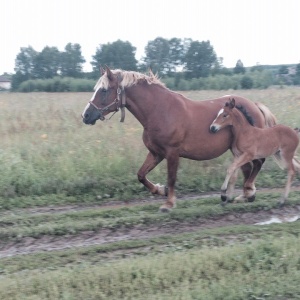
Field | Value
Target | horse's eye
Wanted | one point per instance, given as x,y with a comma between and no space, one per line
103,90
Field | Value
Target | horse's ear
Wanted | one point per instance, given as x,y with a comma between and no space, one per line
108,73
231,103
150,72
102,71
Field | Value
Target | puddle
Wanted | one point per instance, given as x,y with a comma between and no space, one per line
280,219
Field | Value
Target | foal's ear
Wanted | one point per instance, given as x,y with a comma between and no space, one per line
231,103
108,73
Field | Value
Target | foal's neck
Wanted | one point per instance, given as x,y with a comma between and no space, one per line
239,123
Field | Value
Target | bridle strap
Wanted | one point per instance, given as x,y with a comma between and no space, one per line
120,103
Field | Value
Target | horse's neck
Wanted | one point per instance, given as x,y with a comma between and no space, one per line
141,101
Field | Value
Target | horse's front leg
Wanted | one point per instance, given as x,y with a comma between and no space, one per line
172,165
149,164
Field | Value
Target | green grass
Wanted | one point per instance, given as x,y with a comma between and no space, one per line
50,158
46,149
268,269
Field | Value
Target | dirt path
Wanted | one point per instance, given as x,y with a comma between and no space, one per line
88,238
129,203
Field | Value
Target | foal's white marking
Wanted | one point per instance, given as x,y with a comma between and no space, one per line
220,112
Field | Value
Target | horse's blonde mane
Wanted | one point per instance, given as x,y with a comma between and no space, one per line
128,78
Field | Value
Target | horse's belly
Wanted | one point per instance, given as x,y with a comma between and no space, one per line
205,149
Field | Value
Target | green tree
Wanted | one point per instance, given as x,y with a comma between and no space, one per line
246,82
165,56
157,55
199,59
116,55
47,63
296,80
24,65
239,68
283,70
71,61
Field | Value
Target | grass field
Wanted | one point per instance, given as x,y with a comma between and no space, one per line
75,223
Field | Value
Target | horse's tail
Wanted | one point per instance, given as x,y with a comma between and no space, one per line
270,119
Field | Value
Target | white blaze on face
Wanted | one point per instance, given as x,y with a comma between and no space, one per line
219,113
88,105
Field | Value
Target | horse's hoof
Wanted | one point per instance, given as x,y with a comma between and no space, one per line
251,199
280,204
161,190
165,209
240,199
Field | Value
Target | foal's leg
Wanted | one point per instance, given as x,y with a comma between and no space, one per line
250,171
290,178
172,165
231,184
149,164
238,162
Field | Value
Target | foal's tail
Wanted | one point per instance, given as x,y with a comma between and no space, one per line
270,119
296,161
296,164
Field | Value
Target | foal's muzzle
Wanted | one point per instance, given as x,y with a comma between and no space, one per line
213,129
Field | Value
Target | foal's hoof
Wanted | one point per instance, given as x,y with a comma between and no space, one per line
251,199
224,198
280,204
166,190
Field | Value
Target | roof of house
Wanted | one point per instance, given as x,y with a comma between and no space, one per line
4,79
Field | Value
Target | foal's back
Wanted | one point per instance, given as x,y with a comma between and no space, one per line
265,142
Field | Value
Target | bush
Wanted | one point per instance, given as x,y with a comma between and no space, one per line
246,82
57,84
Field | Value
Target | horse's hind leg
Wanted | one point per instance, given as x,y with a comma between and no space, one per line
172,165
149,164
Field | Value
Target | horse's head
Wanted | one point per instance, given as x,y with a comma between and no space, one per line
108,97
223,118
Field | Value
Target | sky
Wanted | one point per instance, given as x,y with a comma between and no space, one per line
265,32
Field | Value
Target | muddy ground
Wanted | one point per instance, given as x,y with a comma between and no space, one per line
28,245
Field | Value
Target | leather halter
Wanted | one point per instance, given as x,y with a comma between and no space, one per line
120,103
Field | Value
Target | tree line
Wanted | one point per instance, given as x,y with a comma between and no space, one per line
181,63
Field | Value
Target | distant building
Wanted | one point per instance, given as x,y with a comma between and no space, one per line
5,83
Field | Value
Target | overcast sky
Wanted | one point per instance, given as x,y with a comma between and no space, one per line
255,31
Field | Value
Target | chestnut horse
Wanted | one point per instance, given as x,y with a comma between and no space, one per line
250,143
174,126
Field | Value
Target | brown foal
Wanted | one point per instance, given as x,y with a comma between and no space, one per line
250,143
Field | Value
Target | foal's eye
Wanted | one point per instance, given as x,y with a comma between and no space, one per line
103,90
